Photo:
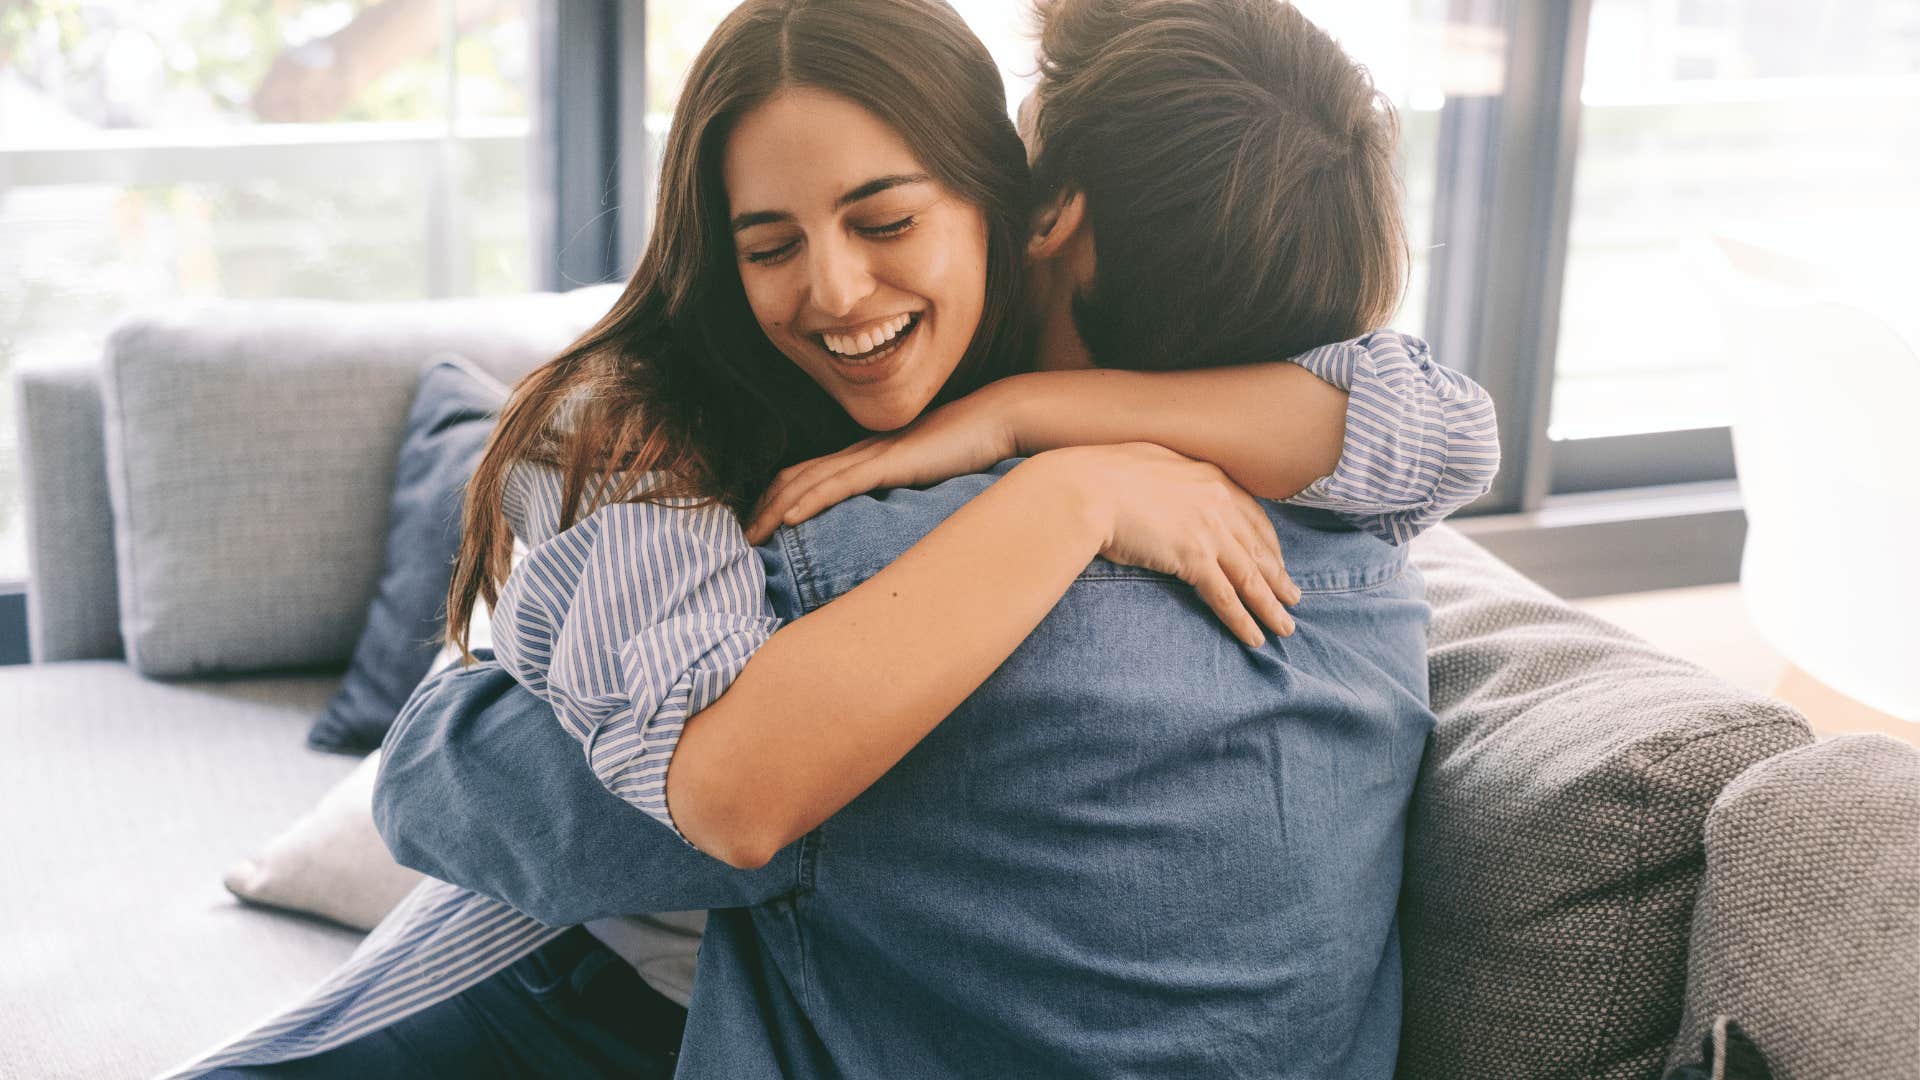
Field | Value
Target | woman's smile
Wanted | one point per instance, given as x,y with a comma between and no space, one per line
874,354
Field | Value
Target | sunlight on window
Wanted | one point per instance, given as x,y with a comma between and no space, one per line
199,148
1707,117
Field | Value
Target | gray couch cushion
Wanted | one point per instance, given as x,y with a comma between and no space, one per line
1554,840
122,800
250,447
1807,930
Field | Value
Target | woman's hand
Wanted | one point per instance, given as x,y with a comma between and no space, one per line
960,437
1178,516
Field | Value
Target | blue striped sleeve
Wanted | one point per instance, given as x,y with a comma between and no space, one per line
1421,440
439,940
627,623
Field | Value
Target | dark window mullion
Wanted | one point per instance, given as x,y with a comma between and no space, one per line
1502,202
1531,204
576,181
13,622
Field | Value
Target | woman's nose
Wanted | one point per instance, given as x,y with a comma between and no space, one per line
839,277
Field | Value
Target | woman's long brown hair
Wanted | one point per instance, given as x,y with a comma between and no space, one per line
676,384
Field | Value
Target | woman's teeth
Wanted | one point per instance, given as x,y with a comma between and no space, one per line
857,346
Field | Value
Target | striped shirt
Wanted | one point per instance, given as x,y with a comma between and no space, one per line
640,615
1421,439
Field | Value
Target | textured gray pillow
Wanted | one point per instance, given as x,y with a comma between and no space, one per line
249,451
1554,839
1807,931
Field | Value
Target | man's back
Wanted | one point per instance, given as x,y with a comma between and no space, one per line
1139,849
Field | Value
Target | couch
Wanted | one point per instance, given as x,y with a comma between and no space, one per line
1611,852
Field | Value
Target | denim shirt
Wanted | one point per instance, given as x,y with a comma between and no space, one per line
1139,849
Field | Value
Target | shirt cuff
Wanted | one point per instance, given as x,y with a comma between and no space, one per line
632,749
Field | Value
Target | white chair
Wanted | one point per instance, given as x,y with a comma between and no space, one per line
1826,435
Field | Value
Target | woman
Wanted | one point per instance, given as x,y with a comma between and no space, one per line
844,178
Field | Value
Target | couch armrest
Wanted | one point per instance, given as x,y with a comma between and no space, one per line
72,598
1554,840
1807,929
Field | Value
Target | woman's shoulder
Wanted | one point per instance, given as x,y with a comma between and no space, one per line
535,493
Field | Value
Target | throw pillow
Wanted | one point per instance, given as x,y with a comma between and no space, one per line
452,415
249,449
332,862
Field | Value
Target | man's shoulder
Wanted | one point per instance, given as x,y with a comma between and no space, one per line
813,562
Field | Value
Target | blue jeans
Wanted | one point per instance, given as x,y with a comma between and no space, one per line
570,1008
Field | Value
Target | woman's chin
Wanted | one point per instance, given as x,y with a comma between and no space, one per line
880,417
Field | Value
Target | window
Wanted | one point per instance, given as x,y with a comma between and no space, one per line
1420,55
236,148
1416,52
1704,117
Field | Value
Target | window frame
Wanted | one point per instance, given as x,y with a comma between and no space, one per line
1619,513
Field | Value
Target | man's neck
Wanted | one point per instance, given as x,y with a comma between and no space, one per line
1060,348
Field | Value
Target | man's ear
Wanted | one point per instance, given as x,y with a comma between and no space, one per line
1056,224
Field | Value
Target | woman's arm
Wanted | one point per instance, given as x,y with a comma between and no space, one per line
480,787
1372,429
1273,428
833,700
642,615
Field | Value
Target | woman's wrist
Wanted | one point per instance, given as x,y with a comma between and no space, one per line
1073,477
1017,403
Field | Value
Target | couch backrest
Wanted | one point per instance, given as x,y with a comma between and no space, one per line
1554,838
161,409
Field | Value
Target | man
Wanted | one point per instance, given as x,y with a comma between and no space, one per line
1131,851
1136,849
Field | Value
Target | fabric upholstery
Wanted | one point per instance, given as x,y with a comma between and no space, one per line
249,451
1554,840
121,802
447,427
72,613
1807,929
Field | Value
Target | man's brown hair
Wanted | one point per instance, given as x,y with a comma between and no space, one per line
1239,171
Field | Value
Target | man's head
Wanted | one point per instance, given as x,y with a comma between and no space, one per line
1217,184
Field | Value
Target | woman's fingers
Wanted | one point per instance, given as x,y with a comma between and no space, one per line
1219,594
1272,560
1242,568
856,479
802,481
791,481
764,518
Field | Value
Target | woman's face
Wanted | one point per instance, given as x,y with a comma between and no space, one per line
859,265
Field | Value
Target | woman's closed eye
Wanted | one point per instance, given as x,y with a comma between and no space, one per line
891,228
767,256
773,254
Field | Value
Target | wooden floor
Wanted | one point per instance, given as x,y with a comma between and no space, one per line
1709,626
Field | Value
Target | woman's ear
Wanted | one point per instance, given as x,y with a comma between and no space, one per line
1056,224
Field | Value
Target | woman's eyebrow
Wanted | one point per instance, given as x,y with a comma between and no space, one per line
879,184
865,191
